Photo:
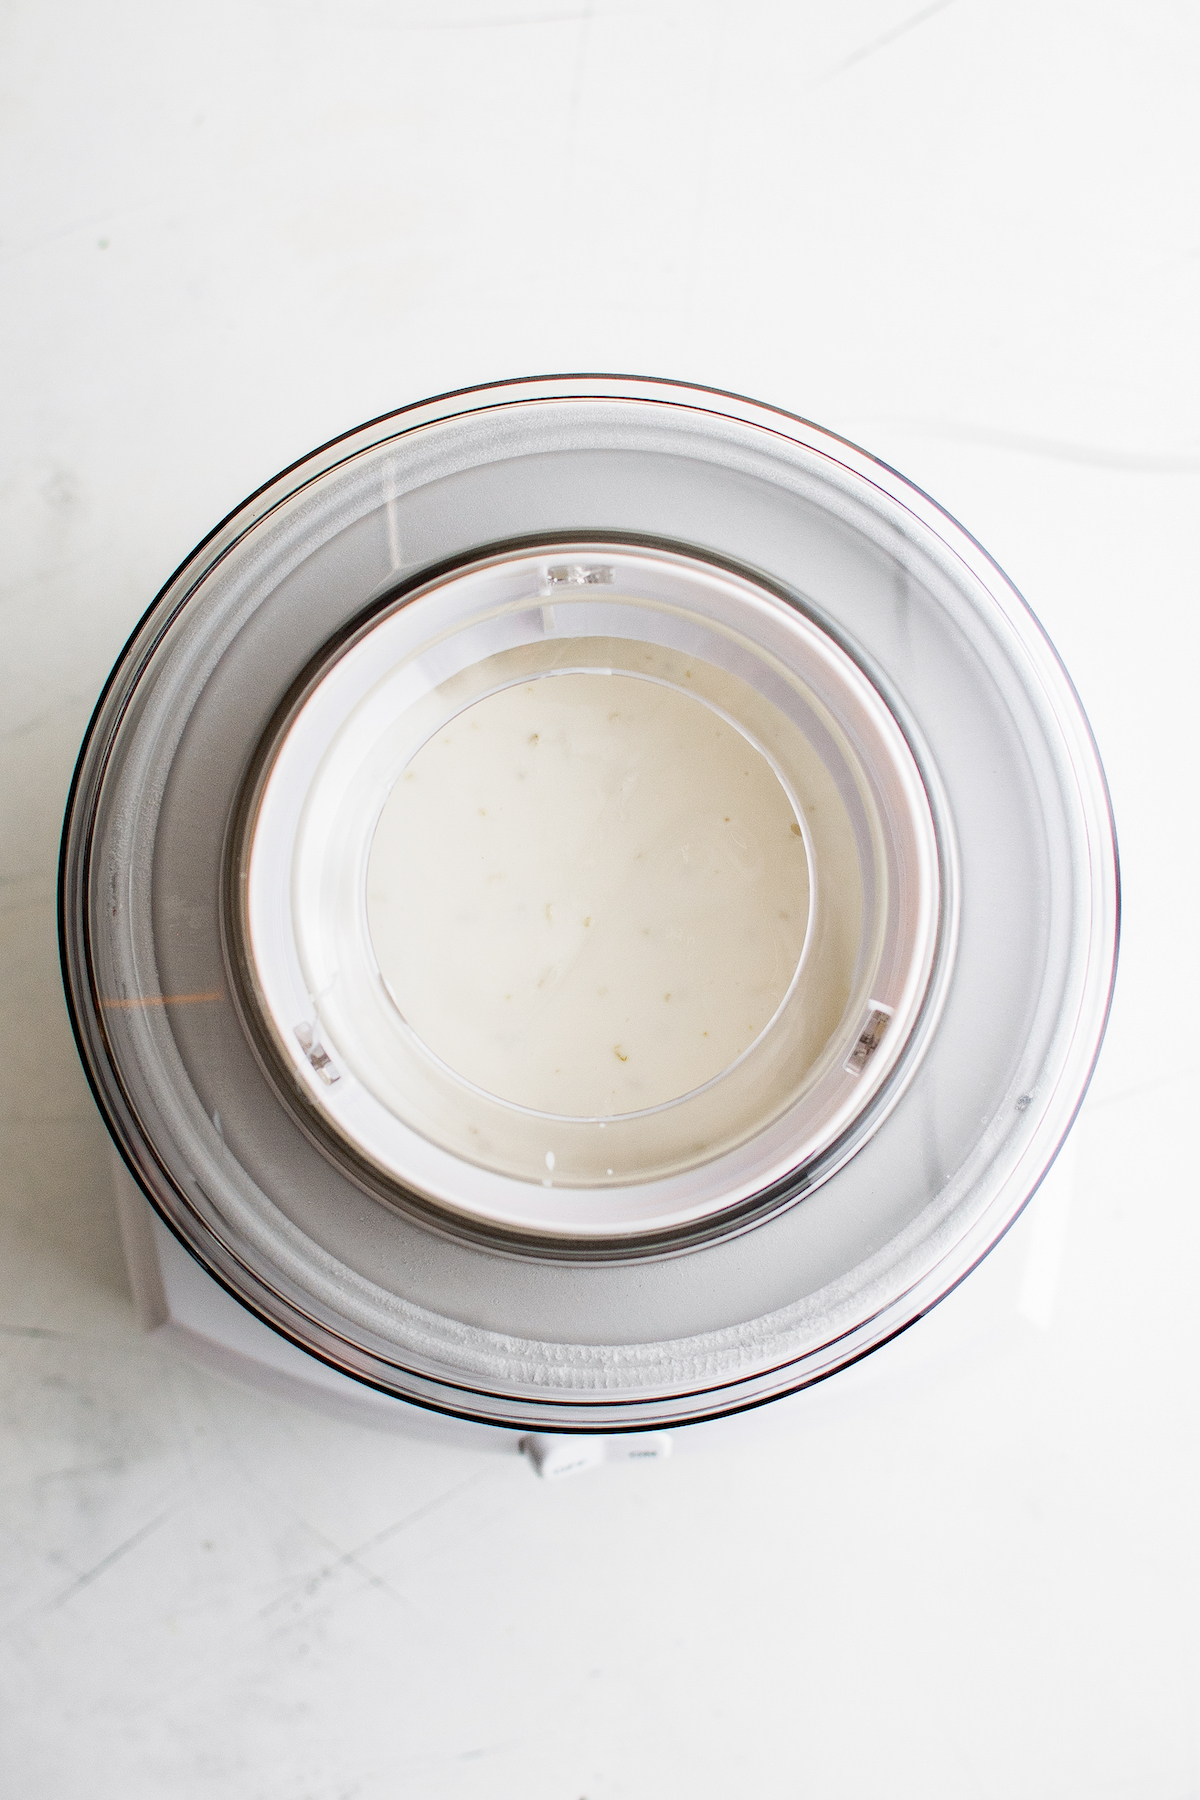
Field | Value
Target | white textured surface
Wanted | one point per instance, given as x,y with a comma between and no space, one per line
963,234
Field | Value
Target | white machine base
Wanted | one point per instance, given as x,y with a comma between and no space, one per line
1013,1290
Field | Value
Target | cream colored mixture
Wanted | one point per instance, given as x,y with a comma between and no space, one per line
588,894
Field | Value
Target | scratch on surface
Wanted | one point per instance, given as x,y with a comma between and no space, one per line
506,21
882,42
310,1583
34,1331
1057,449
1092,1104
86,222
76,1472
49,715
575,104
105,1563
489,1750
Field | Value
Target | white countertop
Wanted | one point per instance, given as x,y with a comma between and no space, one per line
965,236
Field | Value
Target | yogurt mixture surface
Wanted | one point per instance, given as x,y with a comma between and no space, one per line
588,894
